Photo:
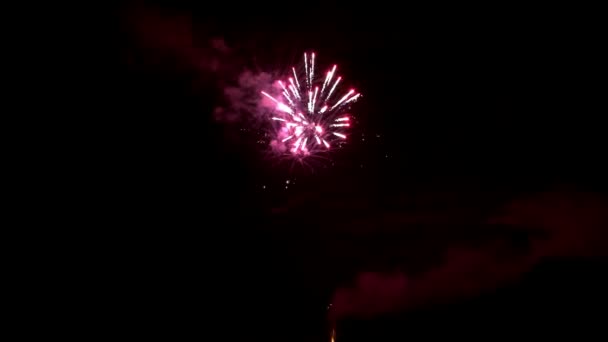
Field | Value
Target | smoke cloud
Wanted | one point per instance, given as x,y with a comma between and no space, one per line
572,224
169,39
244,100
165,39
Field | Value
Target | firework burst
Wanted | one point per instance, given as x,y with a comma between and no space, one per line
309,116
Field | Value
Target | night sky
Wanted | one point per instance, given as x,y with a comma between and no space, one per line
470,193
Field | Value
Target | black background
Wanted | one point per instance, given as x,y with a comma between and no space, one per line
484,103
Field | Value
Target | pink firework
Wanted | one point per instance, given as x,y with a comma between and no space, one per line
310,115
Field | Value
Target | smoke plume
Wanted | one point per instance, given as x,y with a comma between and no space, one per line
244,99
171,40
572,224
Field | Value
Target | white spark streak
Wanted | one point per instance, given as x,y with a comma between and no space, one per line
330,74
333,88
284,108
325,82
293,90
352,98
286,94
310,102
297,144
343,98
312,68
306,68
270,97
296,78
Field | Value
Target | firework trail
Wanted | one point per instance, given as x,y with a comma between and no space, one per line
309,120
